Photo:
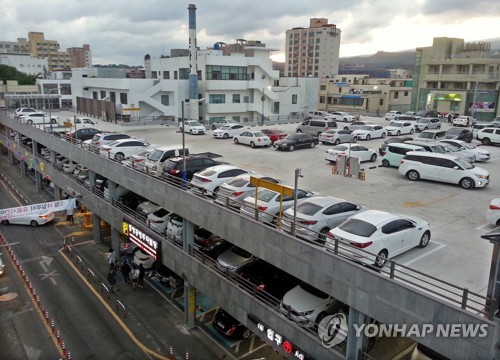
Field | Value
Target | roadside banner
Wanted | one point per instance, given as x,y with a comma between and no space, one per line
37,209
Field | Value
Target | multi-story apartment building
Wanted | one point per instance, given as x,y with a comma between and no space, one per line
459,77
15,47
361,93
244,88
80,56
50,49
25,63
313,51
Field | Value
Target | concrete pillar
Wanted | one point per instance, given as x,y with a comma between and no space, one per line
92,178
189,291
11,158
34,146
22,164
112,191
96,228
115,241
53,157
38,180
57,192
354,347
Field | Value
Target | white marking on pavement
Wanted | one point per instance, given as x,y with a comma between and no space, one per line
10,244
481,228
426,254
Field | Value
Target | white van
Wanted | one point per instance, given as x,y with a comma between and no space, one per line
432,135
393,153
451,169
155,159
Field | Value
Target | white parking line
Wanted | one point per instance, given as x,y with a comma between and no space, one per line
481,228
425,254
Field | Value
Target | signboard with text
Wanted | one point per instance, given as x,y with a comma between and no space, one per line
149,245
37,209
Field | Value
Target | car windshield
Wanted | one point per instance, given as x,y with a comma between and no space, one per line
155,155
454,131
113,143
308,208
426,135
258,134
341,148
330,131
466,165
160,212
240,252
238,182
468,146
366,127
292,136
195,123
225,127
422,121
396,124
358,227
266,195
451,148
438,149
313,291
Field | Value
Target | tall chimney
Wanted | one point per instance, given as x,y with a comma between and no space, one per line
193,64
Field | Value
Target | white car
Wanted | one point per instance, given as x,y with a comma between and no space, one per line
254,138
319,115
368,132
175,224
479,153
493,213
25,111
400,128
34,220
343,116
371,237
307,305
463,120
334,136
207,182
38,118
233,191
392,115
122,148
229,131
140,257
351,150
193,127
270,203
69,166
222,122
158,220
317,215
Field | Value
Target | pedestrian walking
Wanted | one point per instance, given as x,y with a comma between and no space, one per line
111,279
134,274
142,272
125,270
111,255
450,117
69,215
120,279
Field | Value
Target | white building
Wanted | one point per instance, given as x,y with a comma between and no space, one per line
313,51
236,86
25,63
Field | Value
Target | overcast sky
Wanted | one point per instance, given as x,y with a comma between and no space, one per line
122,32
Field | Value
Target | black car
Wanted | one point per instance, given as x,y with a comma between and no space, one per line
210,244
267,281
296,141
229,326
459,134
173,167
83,134
381,149
167,277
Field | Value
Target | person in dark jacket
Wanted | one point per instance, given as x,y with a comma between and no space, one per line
125,270
142,272
111,279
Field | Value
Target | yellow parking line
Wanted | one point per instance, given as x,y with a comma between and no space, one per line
422,204
110,310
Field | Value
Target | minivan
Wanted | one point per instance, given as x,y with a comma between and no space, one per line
432,135
316,126
451,169
395,152
428,123
155,159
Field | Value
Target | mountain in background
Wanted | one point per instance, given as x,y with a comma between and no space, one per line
383,60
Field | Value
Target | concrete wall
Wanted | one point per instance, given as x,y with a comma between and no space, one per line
371,293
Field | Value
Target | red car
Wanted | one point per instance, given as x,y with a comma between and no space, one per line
274,134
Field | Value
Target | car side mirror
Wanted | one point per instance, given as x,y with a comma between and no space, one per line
456,168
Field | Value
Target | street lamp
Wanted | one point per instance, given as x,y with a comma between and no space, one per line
263,98
50,110
378,101
184,174
298,173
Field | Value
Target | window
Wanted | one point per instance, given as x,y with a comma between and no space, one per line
166,74
123,98
154,74
220,72
236,98
396,94
94,95
112,96
165,100
294,99
175,75
217,99
103,94
184,74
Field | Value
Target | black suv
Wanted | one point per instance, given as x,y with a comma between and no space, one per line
83,134
194,163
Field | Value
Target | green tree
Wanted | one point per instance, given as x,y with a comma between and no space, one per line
10,73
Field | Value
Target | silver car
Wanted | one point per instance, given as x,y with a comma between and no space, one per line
334,136
234,259
428,123
318,215
355,125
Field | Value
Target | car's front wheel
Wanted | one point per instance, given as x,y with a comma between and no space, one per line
225,136
486,141
354,139
368,137
5,222
383,135
34,223
236,141
398,133
467,183
373,158
291,148
424,240
252,145
337,141
385,163
313,145
246,334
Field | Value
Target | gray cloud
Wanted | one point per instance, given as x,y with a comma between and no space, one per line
123,32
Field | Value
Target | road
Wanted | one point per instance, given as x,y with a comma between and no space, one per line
85,326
